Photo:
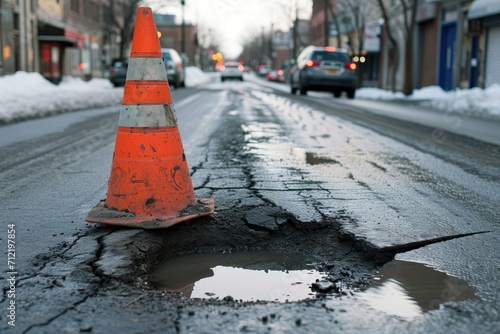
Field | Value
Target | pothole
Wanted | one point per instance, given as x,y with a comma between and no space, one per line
242,275
408,289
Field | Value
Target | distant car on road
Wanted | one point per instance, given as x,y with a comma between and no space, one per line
231,70
275,75
324,69
118,73
175,70
262,70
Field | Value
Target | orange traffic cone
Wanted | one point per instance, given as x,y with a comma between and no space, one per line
149,185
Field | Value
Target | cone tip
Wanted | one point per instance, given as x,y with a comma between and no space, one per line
145,10
145,42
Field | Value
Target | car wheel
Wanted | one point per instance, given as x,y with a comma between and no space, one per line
293,90
351,93
302,90
337,93
222,79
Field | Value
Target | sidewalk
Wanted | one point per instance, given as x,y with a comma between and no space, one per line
484,128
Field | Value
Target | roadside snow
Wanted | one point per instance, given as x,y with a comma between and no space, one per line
26,95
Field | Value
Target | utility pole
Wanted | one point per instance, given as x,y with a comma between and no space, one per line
183,34
327,28
271,47
23,47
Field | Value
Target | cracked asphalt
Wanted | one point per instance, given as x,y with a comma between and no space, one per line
288,174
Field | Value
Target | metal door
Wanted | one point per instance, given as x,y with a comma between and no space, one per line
447,55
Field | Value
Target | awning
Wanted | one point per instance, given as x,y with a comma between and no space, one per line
483,8
62,39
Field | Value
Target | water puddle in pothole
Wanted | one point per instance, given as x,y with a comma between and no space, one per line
408,289
244,275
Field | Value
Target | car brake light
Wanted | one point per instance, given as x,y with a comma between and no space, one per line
330,48
280,72
351,66
241,68
179,66
311,63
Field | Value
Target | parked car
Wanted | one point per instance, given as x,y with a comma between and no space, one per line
118,73
324,69
275,75
175,68
231,70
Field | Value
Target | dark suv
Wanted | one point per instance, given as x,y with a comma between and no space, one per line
118,72
324,69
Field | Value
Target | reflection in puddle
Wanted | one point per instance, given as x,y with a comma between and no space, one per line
408,289
246,275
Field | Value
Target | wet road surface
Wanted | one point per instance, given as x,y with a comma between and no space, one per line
352,189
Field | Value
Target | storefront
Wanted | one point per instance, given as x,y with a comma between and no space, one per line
53,44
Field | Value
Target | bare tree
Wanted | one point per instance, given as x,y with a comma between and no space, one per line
392,39
410,18
330,8
405,10
356,14
256,48
121,15
207,40
291,10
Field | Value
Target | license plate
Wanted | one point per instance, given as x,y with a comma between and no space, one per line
332,71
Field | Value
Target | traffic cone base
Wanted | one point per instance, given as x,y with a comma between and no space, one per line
104,215
149,184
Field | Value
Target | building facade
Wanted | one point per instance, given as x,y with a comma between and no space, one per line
484,37
59,37
181,37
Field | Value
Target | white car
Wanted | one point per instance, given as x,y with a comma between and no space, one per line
174,66
232,70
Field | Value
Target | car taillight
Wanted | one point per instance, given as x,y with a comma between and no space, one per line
241,68
351,66
179,66
170,66
311,63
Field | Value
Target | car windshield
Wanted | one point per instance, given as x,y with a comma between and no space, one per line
328,55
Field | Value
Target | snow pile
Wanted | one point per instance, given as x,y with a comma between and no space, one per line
474,101
195,76
26,95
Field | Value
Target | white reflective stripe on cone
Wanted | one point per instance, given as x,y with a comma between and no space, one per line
148,116
146,69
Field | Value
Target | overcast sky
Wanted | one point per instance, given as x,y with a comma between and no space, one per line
235,20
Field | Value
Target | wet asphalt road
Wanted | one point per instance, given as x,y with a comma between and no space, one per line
284,171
